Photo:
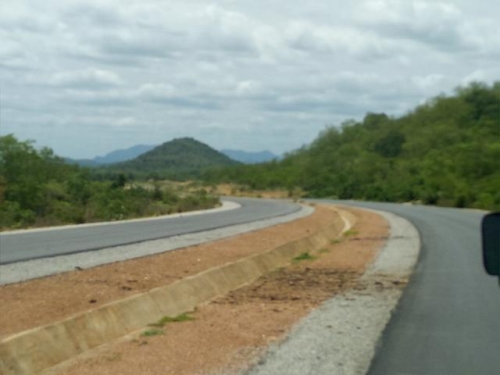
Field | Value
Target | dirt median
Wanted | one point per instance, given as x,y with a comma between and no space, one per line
229,333
42,301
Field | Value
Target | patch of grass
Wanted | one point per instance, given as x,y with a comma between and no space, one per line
335,241
168,319
303,256
350,233
152,332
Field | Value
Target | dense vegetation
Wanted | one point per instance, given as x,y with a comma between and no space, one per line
445,152
38,188
179,159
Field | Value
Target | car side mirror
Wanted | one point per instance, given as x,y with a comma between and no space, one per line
491,243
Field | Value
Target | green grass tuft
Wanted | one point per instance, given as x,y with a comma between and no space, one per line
350,233
176,319
303,256
152,332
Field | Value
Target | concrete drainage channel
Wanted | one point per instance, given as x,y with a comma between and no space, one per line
38,349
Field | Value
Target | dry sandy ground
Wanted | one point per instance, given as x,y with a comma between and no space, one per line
46,300
231,332
241,191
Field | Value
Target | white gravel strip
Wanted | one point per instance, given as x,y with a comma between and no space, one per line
341,336
16,272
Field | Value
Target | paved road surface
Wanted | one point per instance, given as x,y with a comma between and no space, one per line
448,320
40,244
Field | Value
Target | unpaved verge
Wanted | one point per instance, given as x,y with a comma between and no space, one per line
43,301
235,329
341,336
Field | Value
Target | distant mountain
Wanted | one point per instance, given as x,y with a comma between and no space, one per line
247,157
82,162
116,156
179,158
123,155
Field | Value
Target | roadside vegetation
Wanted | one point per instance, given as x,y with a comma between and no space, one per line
445,152
39,189
152,332
184,317
303,256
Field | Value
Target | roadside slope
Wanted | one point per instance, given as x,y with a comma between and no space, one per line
250,317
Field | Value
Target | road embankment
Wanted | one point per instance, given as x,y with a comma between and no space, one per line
31,351
232,331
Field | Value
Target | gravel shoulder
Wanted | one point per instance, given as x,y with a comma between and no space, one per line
341,336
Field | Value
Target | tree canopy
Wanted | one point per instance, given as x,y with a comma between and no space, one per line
38,188
445,152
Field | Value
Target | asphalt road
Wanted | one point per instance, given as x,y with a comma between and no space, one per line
26,245
448,320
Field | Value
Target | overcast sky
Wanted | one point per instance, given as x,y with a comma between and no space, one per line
88,77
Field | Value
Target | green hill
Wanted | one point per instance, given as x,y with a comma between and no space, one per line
444,152
178,159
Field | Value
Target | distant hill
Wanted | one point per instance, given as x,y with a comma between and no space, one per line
247,157
123,155
178,159
113,157
118,156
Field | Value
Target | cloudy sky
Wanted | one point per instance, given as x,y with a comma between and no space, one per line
88,77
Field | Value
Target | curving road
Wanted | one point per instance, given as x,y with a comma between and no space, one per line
448,320
27,245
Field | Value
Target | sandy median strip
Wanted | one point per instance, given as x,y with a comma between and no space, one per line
232,332
42,301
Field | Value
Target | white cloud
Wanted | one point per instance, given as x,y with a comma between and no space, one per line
475,76
86,79
313,38
268,74
439,25
154,91
249,88
126,121
228,30
428,81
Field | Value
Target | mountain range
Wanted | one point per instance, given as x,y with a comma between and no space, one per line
122,155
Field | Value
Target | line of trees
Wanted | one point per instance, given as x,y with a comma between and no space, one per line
444,152
37,188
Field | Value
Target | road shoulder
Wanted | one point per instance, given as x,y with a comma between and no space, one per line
341,336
